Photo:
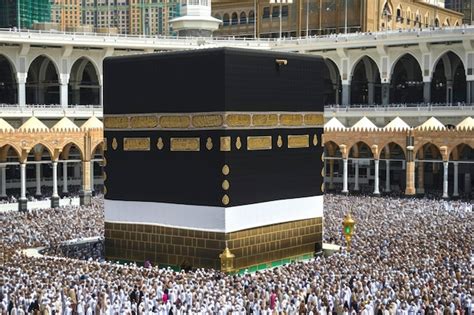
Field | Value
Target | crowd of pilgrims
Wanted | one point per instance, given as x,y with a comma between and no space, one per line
408,257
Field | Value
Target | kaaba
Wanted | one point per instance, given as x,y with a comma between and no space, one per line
211,149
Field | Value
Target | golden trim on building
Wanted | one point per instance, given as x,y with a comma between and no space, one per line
259,143
160,144
238,120
209,144
291,119
206,121
225,144
225,169
185,144
116,122
136,144
298,141
143,122
175,121
244,120
265,120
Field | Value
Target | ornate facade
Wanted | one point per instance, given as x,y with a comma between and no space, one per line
316,17
35,144
417,157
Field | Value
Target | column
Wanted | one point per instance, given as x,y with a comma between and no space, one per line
22,203
470,92
421,178
445,179
21,79
65,177
386,93
77,170
337,93
76,93
455,186
410,170
3,190
55,196
92,176
427,92
101,95
344,180
370,92
331,174
387,176
376,179
38,179
449,91
346,94
85,194
64,80
356,175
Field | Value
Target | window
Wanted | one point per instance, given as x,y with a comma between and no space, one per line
225,20
243,18
276,11
251,17
234,20
266,12
284,11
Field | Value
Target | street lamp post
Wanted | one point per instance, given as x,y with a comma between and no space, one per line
254,19
281,2
348,229
280,18
18,14
307,17
345,17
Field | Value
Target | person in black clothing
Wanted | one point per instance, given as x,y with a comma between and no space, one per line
34,307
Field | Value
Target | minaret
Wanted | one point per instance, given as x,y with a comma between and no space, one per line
196,19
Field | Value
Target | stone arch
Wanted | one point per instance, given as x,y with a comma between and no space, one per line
67,147
365,81
399,13
436,22
96,65
429,167
43,54
460,153
99,147
335,78
331,149
392,146
360,148
84,82
226,19
387,13
8,82
457,148
42,148
448,78
446,22
406,83
234,20
418,18
429,151
9,152
393,174
5,148
408,15
243,18
42,84
251,16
